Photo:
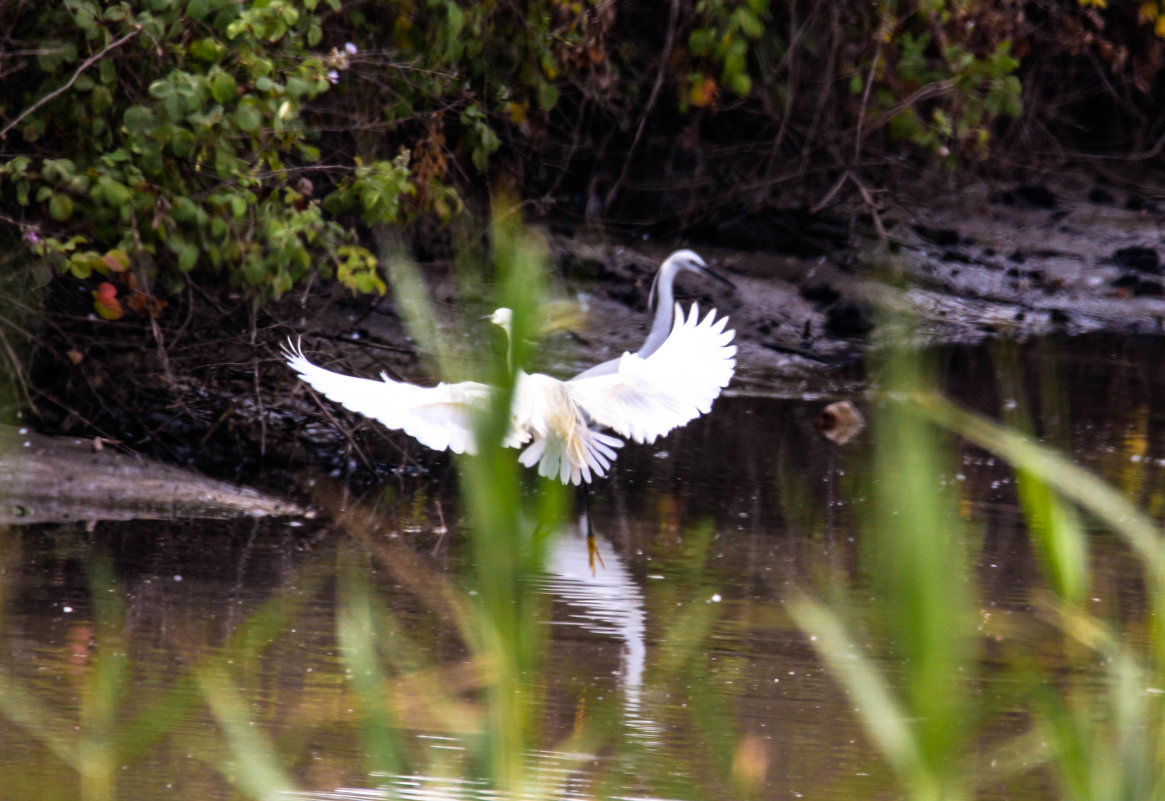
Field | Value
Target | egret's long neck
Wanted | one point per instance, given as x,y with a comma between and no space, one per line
509,349
664,301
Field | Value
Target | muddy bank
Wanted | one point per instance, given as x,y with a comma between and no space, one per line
1066,256
1063,256
64,479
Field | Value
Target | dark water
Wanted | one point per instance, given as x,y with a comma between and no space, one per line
679,643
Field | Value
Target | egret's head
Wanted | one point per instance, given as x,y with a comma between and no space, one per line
678,262
690,261
683,260
503,318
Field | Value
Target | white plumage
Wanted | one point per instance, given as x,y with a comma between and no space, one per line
661,299
645,398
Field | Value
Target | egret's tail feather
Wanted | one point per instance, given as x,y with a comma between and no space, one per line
574,459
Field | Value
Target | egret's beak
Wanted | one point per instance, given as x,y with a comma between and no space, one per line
722,279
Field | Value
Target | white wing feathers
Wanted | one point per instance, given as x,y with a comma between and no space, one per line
643,400
649,397
438,417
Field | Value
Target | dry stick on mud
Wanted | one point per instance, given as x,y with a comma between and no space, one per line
866,102
17,369
258,384
341,428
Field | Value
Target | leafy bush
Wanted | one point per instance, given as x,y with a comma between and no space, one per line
249,142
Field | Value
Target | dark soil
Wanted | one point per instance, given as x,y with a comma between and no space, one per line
207,388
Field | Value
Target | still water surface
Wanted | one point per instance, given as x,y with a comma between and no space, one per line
678,642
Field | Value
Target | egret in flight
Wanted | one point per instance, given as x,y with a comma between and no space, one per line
661,299
642,398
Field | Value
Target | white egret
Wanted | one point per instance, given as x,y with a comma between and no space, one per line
661,299
641,399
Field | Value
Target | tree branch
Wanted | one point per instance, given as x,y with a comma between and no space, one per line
89,62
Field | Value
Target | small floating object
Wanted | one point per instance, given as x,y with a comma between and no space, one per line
840,422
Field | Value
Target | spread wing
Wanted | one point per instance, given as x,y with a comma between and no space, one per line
439,417
646,398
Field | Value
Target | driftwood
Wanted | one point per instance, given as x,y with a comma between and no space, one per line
62,479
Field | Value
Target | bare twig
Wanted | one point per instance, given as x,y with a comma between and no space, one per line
882,235
672,21
86,64
866,100
258,384
341,428
18,372
160,341
833,190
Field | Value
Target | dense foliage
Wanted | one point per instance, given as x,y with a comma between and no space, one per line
250,142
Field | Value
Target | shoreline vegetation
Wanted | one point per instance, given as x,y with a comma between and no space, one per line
182,182
152,147
171,169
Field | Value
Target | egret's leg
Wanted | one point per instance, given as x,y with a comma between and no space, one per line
585,523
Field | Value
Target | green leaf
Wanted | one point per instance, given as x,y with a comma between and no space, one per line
197,9
151,160
139,121
53,53
184,210
102,99
182,143
223,88
208,49
700,42
61,207
226,162
17,165
59,169
298,87
750,24
281,283
115,157
86,20
248,119
187,256
111,192
740,83
107,71
547,95
255,272
80,265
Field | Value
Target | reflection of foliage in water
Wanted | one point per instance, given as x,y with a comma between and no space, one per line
912,665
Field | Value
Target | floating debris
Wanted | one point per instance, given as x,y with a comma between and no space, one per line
840,422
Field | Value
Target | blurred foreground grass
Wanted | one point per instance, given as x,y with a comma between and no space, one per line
1090,701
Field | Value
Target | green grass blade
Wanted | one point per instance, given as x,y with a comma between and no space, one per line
883,716
1058,472
256,768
